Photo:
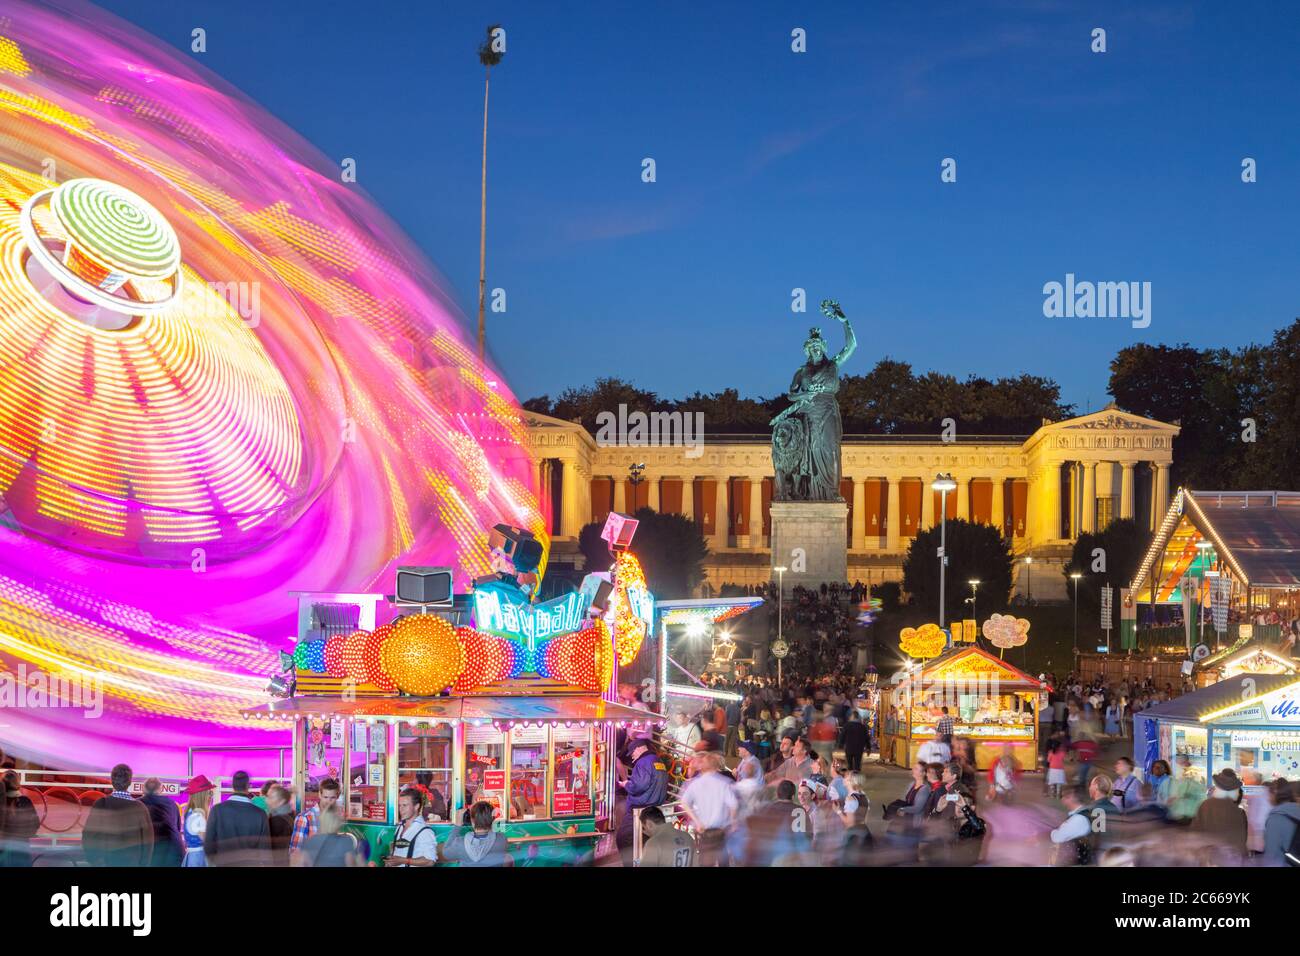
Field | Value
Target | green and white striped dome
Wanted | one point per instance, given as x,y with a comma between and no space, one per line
116,228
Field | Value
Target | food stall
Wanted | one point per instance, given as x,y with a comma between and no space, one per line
1247,722
487,695
991,703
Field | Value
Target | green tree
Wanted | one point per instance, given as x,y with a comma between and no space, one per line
670,547
1202,391
975,551
1269,380
1119,548
726,411
586,403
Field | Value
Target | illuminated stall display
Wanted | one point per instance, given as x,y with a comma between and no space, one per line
992,703
514,707
1247,722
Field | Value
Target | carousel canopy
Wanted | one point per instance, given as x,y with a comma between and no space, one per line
1256,533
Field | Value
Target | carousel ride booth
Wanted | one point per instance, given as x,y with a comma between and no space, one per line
481,696
1223,569
991,703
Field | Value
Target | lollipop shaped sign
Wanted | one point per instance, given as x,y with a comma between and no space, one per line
1006,631
925,641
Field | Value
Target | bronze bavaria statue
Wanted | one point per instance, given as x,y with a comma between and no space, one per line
806,436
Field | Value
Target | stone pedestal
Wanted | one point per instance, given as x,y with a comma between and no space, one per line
810,539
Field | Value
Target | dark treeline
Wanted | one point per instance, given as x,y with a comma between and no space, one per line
890,399
1239,410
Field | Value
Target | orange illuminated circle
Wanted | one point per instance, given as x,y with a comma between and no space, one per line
422,655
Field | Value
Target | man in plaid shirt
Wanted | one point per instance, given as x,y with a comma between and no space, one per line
944,727
307,824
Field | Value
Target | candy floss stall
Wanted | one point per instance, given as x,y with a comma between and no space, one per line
990,702
486,695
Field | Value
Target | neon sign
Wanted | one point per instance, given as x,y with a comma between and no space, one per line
504,615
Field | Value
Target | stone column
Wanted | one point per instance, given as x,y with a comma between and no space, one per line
1089,523
859,514
721,516
927,505
688,497
1161,492
570,523
1126,489
963,498
1049,502
620,495
998,511
755,512
652,493
1072,530
892,514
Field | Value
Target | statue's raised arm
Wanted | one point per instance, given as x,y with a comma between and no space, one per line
806,435
831,309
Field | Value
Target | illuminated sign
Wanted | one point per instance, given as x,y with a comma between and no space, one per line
504,615
1285,709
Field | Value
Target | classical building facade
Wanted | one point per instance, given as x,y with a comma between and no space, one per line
1042,490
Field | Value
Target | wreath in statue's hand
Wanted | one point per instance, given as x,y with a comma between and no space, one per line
831,309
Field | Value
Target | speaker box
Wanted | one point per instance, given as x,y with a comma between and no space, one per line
428,586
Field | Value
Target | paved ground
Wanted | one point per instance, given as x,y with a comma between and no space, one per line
1016,828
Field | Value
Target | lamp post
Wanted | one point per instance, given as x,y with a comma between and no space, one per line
1203,547
1075,578
974,593
635,475
943,484
1029,579
780,605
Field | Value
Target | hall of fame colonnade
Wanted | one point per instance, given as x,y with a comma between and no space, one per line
1043,490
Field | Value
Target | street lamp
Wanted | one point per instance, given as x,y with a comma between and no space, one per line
1075,578
635,475
974,593
1029,579
1203,547
780,604
943,484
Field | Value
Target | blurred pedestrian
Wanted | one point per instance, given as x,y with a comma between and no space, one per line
664,844
238,833
1222,818
195,819
165,817
19,822
118,831
1283,825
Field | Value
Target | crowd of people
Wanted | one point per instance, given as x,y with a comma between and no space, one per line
771,773
796,794
247,829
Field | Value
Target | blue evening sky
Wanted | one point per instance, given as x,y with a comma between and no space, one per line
819,170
